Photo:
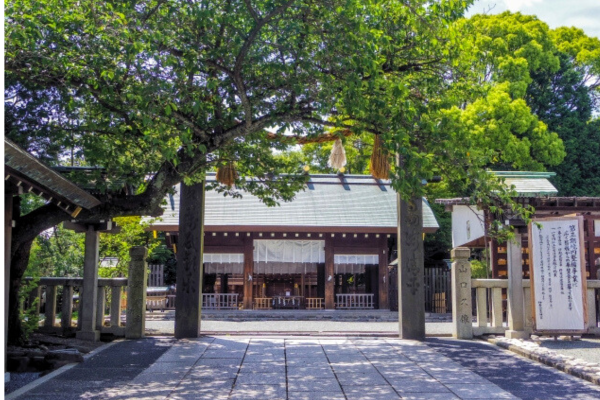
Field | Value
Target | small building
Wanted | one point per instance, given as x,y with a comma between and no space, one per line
534,189
346,222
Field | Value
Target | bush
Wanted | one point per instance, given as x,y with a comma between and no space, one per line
478,269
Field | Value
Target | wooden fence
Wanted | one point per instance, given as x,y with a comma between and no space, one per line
156,277
437,285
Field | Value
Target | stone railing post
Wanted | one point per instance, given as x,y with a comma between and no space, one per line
101,302
136,293
515,314
50,306
462,311
115,306
67,308
89,295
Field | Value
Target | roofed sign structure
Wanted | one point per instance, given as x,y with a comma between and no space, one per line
532,188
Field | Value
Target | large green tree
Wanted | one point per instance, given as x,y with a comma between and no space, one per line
160,91
166,89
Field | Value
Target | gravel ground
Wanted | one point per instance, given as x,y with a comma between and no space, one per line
585,349
19,379
168,327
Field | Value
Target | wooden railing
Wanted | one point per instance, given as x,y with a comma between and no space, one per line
220,301
170,302
314,303
48,288
154,303
354,301
262,303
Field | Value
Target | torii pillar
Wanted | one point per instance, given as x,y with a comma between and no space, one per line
411,295
188,302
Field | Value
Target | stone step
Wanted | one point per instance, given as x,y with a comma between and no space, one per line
297,315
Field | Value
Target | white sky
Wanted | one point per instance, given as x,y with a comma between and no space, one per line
584,14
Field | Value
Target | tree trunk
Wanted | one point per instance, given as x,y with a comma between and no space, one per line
18,265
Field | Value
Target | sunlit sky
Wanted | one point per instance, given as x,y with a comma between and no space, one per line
584,14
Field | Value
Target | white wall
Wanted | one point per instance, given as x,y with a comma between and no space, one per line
467,224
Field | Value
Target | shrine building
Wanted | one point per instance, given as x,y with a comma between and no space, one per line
340,227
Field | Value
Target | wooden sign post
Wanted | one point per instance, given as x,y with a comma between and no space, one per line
558,278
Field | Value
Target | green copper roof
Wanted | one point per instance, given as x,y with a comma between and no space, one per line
528,183
326,202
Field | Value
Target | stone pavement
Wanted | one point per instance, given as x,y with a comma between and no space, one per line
525,379
225,367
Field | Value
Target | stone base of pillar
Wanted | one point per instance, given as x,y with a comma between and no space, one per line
92,336
510,334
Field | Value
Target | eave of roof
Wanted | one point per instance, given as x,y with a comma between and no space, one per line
26,168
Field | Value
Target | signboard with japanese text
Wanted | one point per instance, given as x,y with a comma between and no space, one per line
557,270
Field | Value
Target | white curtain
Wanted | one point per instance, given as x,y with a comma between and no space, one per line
353,263
289,251
288,256
223,263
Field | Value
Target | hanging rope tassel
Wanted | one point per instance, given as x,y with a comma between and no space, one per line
337,158
380,163
227,174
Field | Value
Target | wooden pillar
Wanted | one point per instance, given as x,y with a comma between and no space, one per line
89,299
8,212
411,298
224,283
590,248
188,300
493,246
329,275
383,273
248,271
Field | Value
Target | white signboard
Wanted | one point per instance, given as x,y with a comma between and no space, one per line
558,273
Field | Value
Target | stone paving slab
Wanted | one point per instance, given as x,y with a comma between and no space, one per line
524,378
339,368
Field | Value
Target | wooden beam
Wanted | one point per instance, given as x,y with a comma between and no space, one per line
383,274
329,274
590,247
248,271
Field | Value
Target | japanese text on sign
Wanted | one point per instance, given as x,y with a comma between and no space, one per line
556,255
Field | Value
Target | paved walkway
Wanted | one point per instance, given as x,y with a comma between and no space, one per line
304,368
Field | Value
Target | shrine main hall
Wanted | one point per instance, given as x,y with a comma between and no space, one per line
328,248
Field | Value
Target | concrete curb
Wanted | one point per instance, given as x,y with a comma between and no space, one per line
32,385
576,371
